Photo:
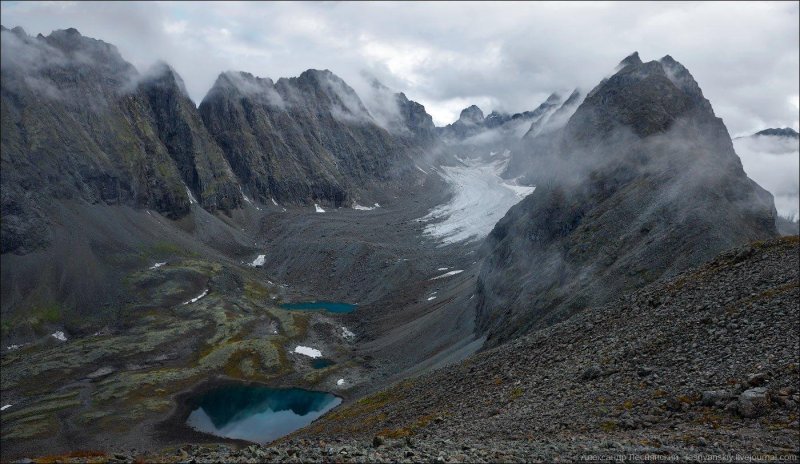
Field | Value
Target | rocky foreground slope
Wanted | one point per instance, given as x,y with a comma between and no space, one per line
701,364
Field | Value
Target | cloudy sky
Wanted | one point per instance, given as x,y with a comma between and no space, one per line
504,56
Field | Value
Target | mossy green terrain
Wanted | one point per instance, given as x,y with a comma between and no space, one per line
162,344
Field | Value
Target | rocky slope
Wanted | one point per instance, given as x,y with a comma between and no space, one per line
304,139
703,363
642,183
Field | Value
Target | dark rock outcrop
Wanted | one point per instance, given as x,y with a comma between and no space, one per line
643,183
415,118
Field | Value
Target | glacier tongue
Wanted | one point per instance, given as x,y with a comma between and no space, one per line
480,198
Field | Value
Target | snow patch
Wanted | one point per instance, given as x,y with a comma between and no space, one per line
431,298
8,405
192,200
448,274
358,207
14,347
419,168
248,199
274,202
205,292
318,208
245,196
347,334
339,382
259,261
307,351
442,268
59,336
157,265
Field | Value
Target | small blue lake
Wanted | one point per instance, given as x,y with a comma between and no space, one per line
257,413
329,306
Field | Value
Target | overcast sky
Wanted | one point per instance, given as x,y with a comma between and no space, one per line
504,56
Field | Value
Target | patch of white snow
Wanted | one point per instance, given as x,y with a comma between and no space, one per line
59,336
205,292
157,265
358,207
259,261
340,382
8,405
318,208
448,274
192,200
307,351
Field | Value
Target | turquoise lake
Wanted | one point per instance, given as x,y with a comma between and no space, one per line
257,413
329,306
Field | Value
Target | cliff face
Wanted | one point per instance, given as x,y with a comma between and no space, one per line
80,123
302,139
199,160
643,183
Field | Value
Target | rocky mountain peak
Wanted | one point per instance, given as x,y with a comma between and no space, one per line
70,41
164,76
632,59
553,99
777,132
415,118
471,115
647,97
324,89
18,31
496,118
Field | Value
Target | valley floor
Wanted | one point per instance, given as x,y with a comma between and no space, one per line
162,309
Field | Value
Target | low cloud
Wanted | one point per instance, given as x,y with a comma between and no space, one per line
773,162
500,56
